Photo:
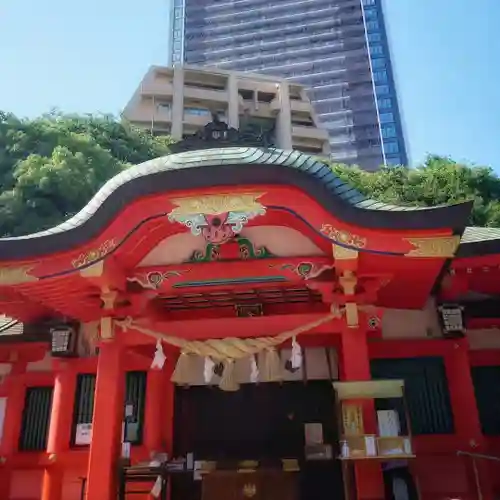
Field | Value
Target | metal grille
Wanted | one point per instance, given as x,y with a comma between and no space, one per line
36,419
229,298
135,394
84,401
426,389
486,381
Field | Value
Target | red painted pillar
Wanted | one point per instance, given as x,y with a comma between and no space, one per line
153,413
466,415
107,424
15,390
356,366
59,431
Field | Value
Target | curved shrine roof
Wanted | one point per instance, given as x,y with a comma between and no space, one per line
234,166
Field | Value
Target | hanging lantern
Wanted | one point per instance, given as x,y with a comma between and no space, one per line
452,320
63,341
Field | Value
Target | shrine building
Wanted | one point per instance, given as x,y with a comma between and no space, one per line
240,323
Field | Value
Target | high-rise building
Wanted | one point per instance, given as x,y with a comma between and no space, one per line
337,48
181,101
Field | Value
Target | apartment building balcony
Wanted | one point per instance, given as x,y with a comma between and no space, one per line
304,132
157,89
204,94
146,111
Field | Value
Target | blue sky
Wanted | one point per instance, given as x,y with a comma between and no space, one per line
90,56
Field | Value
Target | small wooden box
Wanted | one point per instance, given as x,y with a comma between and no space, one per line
394,446
358,446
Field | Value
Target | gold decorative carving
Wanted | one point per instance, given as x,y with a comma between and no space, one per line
249,490
154,279
93,271
87,258
15,275
217,204
343,236
441,246
343,253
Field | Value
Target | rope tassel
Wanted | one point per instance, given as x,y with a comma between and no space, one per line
271,367
185,371
228,381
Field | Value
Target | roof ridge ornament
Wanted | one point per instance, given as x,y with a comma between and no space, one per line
218,134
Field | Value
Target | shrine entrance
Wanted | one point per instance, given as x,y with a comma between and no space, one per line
265,428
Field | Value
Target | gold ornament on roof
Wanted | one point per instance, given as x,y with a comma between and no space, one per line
217,204
343,236
440,246
94,254
16,275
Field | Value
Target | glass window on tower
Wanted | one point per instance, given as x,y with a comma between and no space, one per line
380,76
386,117
368,2
374,37
388,131
391,147
384,103
378,63
372,26
382,90
376,50
370,14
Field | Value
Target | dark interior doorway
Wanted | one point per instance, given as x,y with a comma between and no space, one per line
258,422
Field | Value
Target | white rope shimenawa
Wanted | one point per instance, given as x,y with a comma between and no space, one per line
228,350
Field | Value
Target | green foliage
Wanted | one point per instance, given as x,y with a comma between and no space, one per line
439,180
51,166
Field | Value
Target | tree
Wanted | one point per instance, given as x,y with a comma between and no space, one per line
439,180
51,166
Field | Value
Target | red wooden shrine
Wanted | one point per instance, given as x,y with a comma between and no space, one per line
244,243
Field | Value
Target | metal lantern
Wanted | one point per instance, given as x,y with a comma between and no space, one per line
63,341
452,320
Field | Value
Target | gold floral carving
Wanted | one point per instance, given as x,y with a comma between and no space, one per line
343,236
87,258
343,253
15,275
217,204
442,246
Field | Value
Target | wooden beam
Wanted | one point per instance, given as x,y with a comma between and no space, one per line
105,274
231,273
